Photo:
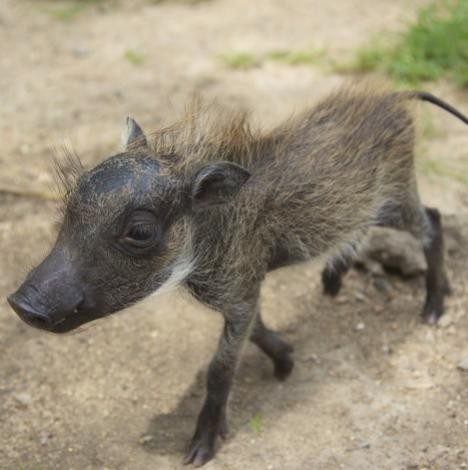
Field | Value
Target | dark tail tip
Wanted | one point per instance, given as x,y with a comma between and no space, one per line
425,96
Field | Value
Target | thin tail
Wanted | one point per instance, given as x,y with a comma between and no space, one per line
424,96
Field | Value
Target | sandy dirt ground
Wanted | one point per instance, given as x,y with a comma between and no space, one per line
373,388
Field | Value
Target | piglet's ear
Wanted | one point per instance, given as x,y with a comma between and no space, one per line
132,134
216,183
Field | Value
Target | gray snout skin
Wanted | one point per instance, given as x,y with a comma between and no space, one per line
28,313
35,314
52,297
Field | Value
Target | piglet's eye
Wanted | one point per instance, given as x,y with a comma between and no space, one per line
141,233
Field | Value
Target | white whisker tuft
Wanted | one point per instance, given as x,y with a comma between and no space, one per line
182,266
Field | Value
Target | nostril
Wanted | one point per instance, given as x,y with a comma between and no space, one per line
39,321
27,313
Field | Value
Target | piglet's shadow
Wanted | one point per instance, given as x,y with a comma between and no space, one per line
170,433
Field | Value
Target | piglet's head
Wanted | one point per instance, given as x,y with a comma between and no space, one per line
127,231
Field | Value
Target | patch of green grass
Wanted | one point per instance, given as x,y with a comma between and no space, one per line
370,58
434,46
296,57
245,60
30,466
239,60
134,57
67,12
256,423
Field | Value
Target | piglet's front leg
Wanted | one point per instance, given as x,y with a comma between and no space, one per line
212,419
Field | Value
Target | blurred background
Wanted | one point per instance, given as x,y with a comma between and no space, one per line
372,388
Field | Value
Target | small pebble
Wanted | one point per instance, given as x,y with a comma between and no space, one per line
81,51
145,439
25,149
312,358
386,349
23,398
463,364
382,285
360,326
360,296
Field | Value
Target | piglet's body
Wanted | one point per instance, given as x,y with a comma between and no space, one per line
212,205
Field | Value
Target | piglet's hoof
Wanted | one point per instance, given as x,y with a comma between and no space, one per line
201,450
202,446
432,312
283,368
430,318
331,282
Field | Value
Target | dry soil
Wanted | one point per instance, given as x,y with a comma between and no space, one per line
373,388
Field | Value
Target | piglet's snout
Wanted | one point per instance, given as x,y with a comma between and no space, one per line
28,313
45,315
50,295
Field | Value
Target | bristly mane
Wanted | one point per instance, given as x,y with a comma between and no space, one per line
67,170
205,133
